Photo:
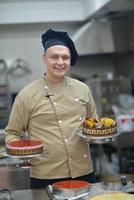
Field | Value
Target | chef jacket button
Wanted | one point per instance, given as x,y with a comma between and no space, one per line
55,103
80,118
85,155
66,140
46,87
60,121
76,99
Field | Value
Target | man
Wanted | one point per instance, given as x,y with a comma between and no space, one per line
52,109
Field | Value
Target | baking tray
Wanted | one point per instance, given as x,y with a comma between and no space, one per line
51,195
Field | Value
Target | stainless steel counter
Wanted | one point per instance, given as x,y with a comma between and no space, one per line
14,178
30,195
25,195
42,194
39,194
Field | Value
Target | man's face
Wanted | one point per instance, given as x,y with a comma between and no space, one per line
57,59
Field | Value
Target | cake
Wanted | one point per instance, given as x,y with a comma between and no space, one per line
70,188
113,196
24,147
100,127
71,184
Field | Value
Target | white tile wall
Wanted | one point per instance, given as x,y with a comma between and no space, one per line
24,41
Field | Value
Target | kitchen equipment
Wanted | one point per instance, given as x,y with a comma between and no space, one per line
4,94
122,182
118,178
3,72
111,187
106,92
19,68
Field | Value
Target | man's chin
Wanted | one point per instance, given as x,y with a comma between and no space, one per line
60,75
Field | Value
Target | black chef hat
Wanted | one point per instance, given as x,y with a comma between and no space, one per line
51,38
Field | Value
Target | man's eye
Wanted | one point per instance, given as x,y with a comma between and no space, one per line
54,57
66,57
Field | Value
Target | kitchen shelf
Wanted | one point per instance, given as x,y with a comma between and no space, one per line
4,95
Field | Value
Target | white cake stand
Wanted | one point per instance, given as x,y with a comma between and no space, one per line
97,139
25,158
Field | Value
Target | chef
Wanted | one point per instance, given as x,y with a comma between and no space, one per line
52,109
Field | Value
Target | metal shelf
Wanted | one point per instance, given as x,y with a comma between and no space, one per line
4,95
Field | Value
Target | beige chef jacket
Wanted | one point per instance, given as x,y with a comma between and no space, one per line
53,113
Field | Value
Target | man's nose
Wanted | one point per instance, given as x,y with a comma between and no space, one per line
60,60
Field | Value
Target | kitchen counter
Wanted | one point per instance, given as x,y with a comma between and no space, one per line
25,195
36,194
14,178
